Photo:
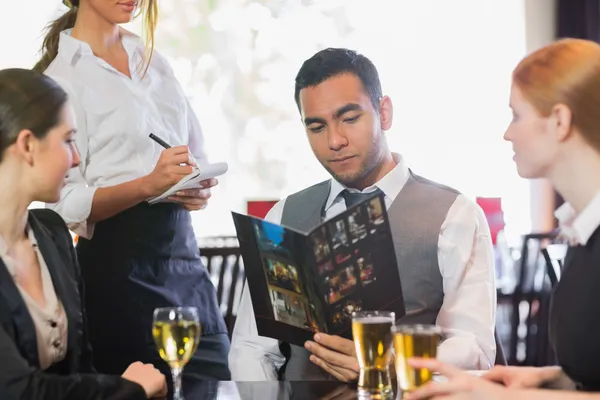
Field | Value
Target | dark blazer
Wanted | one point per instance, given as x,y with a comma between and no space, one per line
74,377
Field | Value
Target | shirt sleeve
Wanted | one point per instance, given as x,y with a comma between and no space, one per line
76,197
468,313
253,357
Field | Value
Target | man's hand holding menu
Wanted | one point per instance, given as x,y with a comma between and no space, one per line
336,355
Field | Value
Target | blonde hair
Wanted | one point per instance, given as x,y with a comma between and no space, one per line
147,8
565,72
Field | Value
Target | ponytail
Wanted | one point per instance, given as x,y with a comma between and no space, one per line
50,44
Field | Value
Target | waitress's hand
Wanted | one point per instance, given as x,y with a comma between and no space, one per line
195,199
172,166
149,378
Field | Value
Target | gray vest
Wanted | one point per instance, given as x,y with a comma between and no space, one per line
416,217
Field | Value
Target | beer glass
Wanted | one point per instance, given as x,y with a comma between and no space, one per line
414,341
176,332
372,334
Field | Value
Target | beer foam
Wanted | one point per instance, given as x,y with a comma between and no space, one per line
375,319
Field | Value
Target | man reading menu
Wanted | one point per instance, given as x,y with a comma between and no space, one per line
441,238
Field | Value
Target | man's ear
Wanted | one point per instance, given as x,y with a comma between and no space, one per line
561,119
386,113
26,145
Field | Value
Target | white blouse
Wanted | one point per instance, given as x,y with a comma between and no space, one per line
50,321
114,116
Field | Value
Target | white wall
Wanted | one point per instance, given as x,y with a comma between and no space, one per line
540,30
21,26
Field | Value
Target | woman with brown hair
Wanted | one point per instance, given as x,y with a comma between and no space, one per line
555,133
134,257
44,348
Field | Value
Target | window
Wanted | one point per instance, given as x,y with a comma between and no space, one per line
446,66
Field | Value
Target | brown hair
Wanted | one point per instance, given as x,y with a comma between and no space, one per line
28,100
565,72
147,8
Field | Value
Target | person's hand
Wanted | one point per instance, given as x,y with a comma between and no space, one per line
172,166
335,355
148,377
459,386
525,377
195,199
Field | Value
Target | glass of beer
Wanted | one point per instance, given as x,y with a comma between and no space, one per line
176,332
372,333
414,341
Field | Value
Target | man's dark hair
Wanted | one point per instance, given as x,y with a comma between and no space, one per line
332,62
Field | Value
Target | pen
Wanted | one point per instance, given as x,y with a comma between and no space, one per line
167,146
160,141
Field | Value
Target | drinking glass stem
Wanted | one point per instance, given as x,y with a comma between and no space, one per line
176,375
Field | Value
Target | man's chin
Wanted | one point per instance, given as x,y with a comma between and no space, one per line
348,179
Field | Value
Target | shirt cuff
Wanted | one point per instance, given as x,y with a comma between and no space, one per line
464,353
75,208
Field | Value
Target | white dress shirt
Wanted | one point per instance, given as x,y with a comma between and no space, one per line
466,262
114,116
578,228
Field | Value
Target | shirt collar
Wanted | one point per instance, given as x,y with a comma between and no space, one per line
74,49
390,184
578,228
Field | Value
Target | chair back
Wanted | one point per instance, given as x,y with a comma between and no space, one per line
225,266
530,303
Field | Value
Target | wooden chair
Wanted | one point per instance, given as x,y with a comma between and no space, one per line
225,266
530,302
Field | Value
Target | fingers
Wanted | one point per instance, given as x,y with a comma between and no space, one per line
333,357
341,374
177,150
190,203
178,155
433,389
336,343
208,183
182,170
436,366
195,193
497,374
165,388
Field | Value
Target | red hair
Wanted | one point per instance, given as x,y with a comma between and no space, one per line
565,72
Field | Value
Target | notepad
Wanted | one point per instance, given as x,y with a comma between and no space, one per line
192,181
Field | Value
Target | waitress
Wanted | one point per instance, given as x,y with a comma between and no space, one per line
134,257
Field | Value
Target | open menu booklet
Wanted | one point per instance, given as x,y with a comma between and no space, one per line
192,181
306,282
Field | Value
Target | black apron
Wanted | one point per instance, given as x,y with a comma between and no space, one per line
141,259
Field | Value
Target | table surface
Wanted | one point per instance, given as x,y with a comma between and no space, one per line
306,390
297,390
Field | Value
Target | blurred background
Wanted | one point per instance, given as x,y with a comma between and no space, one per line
445,64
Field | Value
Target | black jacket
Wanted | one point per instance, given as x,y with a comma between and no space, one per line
74,377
